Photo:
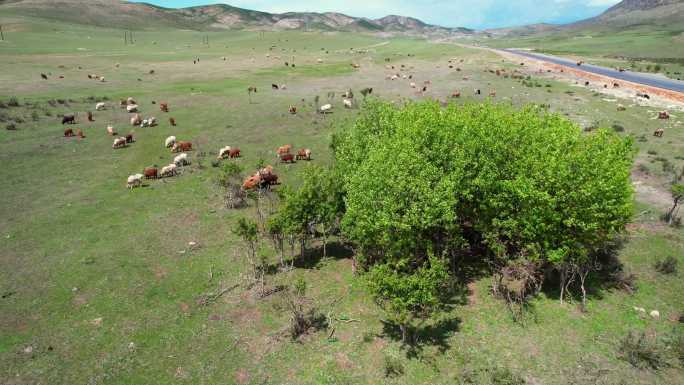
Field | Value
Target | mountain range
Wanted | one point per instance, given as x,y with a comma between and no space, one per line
122,14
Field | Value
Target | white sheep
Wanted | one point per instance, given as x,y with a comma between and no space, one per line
412,85
655,314
169,170
326,108
181,160
132,108
100,106
170,141
347,103
110,130
134,180
119,142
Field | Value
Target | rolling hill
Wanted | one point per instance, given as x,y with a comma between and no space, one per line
122,14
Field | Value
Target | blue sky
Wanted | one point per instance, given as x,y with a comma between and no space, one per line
476,14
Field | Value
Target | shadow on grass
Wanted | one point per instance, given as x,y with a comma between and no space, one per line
420,337
312,257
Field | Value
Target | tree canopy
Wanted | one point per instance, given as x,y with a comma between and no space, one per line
424,179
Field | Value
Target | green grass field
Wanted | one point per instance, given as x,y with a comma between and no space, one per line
99,284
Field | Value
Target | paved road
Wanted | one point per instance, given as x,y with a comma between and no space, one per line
634,77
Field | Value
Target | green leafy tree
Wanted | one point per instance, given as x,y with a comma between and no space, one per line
316,205
489,179
247,230
408,294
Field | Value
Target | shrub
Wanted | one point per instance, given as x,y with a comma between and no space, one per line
35,116
642,351
13,102
215,163
678,344
495,375
524,182
11,127
618,127
667,265
652,152
393,366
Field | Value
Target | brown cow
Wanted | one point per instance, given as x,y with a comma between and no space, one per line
284,149
68,132
251,182
70,119
80,134
164,107
304,153
659,133
129,138
172,121
287,158
456,94
150,173
181,147
234,153
270,179
663,115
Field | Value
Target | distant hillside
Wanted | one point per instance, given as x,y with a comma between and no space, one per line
665,14
638,12
122,14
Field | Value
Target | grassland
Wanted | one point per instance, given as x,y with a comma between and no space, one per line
99,284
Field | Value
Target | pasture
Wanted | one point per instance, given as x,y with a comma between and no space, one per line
100,284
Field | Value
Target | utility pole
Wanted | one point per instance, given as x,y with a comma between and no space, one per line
2,37
125,38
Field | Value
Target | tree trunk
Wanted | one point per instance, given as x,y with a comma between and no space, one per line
402,327
672,213
325,243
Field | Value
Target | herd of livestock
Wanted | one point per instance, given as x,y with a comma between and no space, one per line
263,178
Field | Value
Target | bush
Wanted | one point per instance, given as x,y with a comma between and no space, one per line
667,265
13,102
393,366
491,376
652,152
11,127
524,182
642,351
35,116
618,127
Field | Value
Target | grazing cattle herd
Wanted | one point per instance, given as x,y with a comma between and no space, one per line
264,178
